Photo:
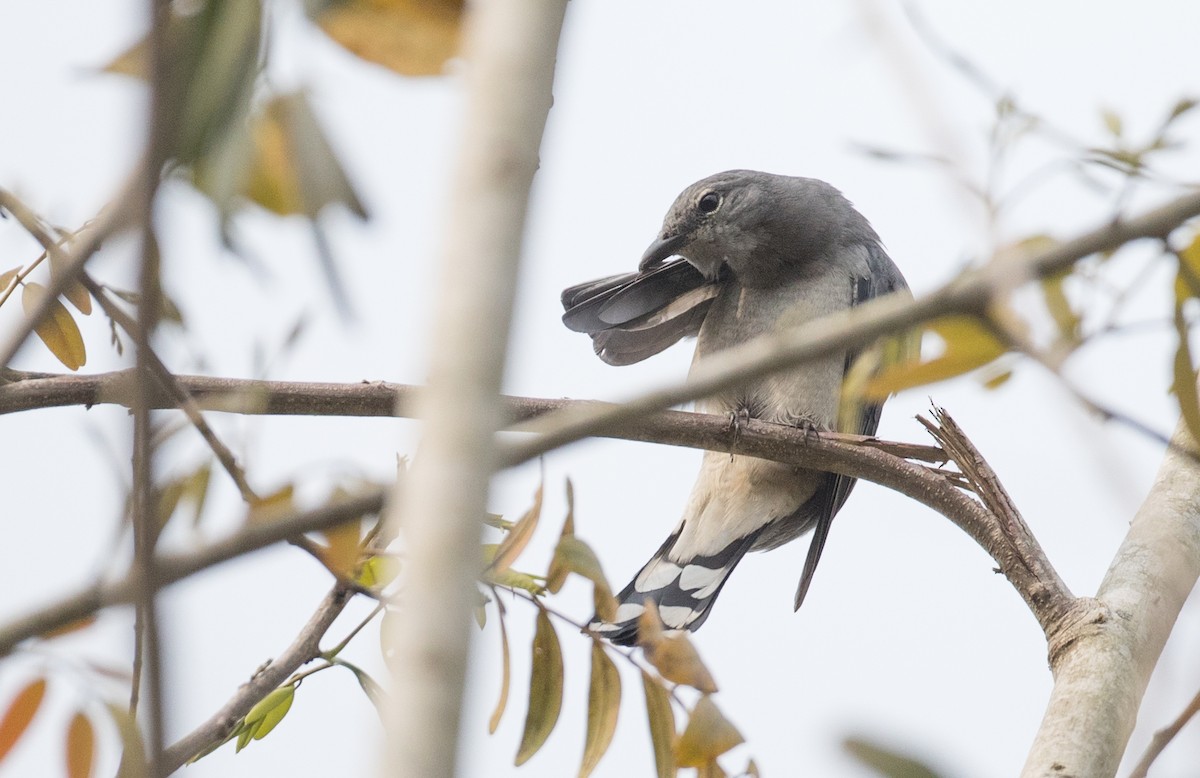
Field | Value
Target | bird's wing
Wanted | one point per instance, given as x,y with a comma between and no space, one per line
877,277
636,315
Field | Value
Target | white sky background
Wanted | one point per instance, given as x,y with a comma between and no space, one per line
906,637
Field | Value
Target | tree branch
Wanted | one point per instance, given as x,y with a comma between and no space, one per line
1105,662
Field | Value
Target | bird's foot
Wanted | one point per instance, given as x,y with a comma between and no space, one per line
737,420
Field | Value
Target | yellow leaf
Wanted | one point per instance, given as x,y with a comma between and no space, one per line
269,711
1183,383
57,329
673,656
20,713
545,689
517,538
341,552
378,571
968,344
708,734
662,725
1065,317
573,555
81,747
273,506
604,703
75,292
505,677
557,575
411,37
6,278
133,61
1189,266
133,750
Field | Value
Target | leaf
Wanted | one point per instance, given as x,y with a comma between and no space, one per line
557,575
1183,383
1189,265
81,746
505,678
545,689
411,37
133,61
133,750
674,656
516,580
342,547
1112,122
968,344
516,540
369,685
573,555
196,490
885,761
604,703
266,715
662,725
75,292
275,505
378,571
69,627
20,713
6,278
708,734
57,329
1065,317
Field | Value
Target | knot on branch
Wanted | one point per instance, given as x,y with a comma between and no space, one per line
1083,619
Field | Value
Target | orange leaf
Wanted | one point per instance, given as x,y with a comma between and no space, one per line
68,628
81,747
57,329
20,712
411,37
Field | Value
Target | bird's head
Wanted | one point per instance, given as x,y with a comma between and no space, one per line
763,227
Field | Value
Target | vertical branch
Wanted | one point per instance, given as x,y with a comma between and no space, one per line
148,655
1101,675
510,51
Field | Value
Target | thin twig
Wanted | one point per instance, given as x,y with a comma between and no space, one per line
1163,737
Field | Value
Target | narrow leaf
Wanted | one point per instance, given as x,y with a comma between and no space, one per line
662,725
81,747
885,761
557,575
20,713
57,329
674,656
270,710
516,540
604,703
1189,265
75,293
133,750
1065,318
1183,384
505,677
545,689
68,628
708,735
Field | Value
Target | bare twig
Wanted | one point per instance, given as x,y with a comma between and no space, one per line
1163,737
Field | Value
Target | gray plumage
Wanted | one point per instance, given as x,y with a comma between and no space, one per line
759,253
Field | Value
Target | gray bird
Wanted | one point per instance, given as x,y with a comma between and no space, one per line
759,253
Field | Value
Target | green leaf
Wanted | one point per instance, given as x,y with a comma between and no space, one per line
378,571
604,703
968,344
545,689
885,761
708,734
505,677
267,714
57,329
1065,318
662,725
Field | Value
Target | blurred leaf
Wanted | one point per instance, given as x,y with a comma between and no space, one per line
1180,108
20,713
133,61
169,495
1112,122
708,734
711,769
196,490
342,548
751,770
968,344
266,715
497,521
997,379
369,685
6,278
378,571
574,555
1189,266
505,678
887,352
133,750
80,746
517,580
75,293
885,761
662,725
674,656
1065,318
411,37
57,329
515,541
1183,384
604,703
66,629
274,506
545,689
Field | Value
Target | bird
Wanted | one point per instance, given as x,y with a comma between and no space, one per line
740,254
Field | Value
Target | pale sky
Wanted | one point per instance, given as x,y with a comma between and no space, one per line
907,636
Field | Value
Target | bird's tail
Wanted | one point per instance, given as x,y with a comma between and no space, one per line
683,589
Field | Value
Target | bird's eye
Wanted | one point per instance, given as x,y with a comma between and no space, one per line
710,202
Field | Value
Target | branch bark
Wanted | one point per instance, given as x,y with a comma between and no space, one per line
511,46
1101,674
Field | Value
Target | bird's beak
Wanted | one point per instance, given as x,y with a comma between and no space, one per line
660,249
